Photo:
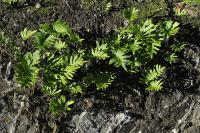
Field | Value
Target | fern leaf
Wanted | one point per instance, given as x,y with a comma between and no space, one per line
102,80
50,40
75,88
119,59
100,52
148,28
130,14
75,62
59,45
51,91
135,46
154,73
26,34
70,72
108,6
155,85
170,28
62,27
177,47
153,48
172,58
11,1
26,71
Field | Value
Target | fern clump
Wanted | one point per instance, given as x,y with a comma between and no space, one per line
54,62
11,1
58,62
152,78
134,46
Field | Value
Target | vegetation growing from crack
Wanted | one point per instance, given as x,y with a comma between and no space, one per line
192,1
11,1
58,62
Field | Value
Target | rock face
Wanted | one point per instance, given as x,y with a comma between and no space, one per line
177,110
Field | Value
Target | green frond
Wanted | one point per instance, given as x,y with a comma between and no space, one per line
50,41
192,2
4,40
75,88
108,6
62,27
169,28
70,72
135,46
75,62
26,70
177,47
26,34
51,91
153,48
100,52
11,1
59,105
155,85
171,58
147,29
119,59
154,73
59,45
130,14
102,80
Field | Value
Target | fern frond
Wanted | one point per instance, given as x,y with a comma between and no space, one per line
130,14
102,80
172,58
177,47
153,48
51,91
26,71
4,40
11,1
62,27
135,46
120,59
75,62
154,73
147,28
26,34
75,88
108,6
155,85
100,52
169,28
49,41
59,45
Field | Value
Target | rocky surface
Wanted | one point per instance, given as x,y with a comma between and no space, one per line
119,110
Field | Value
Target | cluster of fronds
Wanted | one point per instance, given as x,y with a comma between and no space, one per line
55,61
192,1
11,1
152,78
61,64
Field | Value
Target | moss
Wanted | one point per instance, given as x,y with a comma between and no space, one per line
152,8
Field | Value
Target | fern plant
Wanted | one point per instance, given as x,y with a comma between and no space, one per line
60,105
102,80
152,78
197,2
26,34
63,66
27,70
55,61
11,1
